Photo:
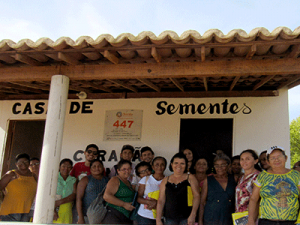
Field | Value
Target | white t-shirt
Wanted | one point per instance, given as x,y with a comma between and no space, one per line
151,186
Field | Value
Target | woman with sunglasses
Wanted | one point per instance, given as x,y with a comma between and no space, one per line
88,189
82,169
20,188
119,196
217,194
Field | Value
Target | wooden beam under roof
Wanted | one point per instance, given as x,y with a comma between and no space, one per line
177,83
203,53
5,89
150,84
201,94
234,83
289,81
27,60
22,88
127,86
294,84
68,59
97,87
79,89
155,54
111,57
39,57
263,81
92,55
154,70
35,86
205,83
295,51
251,53
7,58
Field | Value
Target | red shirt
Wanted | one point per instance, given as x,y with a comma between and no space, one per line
79,168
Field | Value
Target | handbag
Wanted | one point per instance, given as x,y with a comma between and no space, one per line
134,213
97,209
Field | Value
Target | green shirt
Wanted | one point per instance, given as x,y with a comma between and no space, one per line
125,194
65,187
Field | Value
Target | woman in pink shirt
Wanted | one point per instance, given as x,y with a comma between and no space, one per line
249,162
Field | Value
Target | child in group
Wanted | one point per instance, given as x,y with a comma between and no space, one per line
147,155
141,170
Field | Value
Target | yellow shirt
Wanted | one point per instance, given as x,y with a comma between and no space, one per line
279,195
20,194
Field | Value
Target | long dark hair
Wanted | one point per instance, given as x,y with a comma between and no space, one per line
255,156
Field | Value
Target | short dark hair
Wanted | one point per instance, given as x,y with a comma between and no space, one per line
96,160
265,151
34,158
235,157
123,162
140,165
146,148
66,160
92,146
127,147
192,169
179,155
22,155
159,157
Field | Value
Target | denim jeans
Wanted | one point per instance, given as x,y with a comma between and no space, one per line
143,220
22,217
270,222
169,221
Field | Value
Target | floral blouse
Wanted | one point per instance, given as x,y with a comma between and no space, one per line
243,191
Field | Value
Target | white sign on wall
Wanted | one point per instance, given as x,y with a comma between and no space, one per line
123,125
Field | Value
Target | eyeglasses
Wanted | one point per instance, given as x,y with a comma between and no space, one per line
144,171
220,166
23,162
34,164
94,152
278,157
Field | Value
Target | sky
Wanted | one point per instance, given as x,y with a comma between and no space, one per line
32,19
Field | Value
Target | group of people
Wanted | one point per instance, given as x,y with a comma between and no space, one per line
197,191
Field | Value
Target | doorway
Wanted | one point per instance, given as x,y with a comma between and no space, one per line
206,136
23,136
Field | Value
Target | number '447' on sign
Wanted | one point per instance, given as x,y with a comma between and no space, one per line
124,123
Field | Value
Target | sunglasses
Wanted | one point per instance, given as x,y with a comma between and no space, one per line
94,152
